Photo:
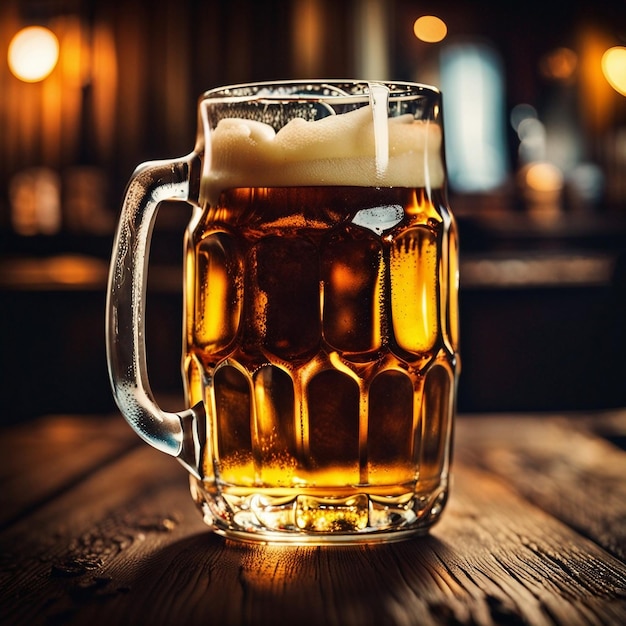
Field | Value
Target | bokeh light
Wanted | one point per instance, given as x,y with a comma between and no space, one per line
33,53
473,80
521,112
559,64
544,177
430,29
614,68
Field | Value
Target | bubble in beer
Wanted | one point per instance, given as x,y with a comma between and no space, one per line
379,219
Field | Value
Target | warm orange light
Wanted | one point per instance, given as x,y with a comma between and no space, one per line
559,64
614,68
33,53
430,29
544,177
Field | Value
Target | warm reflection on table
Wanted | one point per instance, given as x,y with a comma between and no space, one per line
97,528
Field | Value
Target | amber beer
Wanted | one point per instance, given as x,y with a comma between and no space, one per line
321,335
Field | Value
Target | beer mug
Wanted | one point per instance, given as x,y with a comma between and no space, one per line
320,350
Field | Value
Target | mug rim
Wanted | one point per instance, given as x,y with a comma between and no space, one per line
399,90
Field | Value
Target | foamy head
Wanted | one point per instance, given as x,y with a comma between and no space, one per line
335,150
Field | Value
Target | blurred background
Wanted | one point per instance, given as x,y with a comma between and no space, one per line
535,115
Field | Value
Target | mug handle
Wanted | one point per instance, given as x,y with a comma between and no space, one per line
182,434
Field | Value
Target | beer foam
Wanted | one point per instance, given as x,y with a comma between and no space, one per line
335,150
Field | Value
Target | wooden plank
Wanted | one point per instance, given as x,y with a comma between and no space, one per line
57,552
126,546
41,458
55,560
557,464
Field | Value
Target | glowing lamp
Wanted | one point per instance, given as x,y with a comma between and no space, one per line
33,53
430,29
614,68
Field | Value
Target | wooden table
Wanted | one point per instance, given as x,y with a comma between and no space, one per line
98,528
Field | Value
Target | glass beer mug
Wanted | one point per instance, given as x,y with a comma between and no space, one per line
320,352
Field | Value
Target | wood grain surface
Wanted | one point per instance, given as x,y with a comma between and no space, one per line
97,528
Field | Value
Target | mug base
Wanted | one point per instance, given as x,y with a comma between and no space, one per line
325,539
309,519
